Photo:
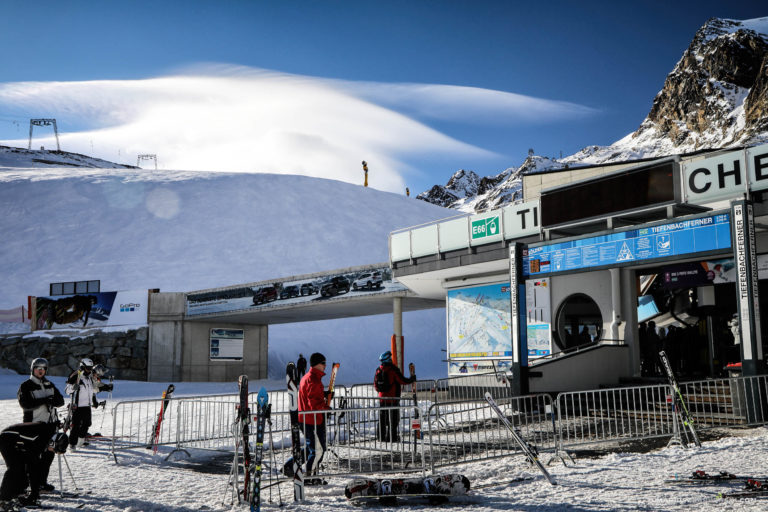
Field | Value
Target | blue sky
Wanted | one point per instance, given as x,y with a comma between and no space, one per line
417,88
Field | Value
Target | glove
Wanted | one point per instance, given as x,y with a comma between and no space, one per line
107,387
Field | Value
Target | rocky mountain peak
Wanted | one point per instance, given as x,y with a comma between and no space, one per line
715,97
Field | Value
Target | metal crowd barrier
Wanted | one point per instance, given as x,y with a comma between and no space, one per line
613,415
455,431
738,401
469,431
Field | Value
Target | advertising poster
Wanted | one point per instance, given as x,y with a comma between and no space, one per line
361,283
227,344
479,322
456,368
88,310
538,318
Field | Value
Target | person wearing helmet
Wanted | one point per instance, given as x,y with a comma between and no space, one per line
80,388
388,381
39,398
98,384
22,447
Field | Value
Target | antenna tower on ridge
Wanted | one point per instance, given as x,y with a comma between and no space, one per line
146,157
43,122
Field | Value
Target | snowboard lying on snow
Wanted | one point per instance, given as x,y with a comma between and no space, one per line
389,490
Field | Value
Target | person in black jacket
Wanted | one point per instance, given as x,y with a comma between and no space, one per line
22,446
38,397
301,365
388,381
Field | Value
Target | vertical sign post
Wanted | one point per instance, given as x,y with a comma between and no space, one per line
746,287
744,251
519,383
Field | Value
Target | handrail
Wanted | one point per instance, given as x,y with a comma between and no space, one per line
576,349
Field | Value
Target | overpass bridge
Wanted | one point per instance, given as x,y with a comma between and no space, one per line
219,333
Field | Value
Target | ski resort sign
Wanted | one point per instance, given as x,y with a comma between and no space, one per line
484,228
726,175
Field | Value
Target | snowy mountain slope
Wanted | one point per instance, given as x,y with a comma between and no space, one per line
13,157
715,97
184,231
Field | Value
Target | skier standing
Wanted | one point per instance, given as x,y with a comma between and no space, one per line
38,397
80,387
22,446
312,397
301,365
388,381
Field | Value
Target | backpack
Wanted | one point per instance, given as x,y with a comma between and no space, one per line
380,381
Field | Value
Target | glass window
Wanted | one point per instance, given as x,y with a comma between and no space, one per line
579,322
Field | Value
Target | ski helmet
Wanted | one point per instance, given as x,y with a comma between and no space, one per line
86,364
386,357
39,362
100,370
59,442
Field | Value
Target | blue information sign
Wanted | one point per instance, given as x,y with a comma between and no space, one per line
690,236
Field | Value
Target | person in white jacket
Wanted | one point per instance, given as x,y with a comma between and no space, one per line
80,388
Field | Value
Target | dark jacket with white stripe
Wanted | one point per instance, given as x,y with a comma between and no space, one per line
38,397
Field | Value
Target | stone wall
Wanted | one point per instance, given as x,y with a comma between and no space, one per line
124,353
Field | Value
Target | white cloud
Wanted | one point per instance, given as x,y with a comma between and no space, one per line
248,120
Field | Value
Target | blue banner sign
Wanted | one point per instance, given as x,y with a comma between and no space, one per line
690,236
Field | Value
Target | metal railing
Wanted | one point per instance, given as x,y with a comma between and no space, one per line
452,431
612,415
470,431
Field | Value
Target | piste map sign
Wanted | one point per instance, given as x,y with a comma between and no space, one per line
697,235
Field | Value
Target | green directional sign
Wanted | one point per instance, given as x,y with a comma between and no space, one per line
483,228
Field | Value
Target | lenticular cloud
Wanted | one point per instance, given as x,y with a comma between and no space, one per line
246,120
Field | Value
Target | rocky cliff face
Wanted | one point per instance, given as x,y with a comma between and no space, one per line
715,97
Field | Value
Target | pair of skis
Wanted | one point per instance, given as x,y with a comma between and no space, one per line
156,428
529,451
252,465
704,478
685,414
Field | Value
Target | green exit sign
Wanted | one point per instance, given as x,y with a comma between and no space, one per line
483,228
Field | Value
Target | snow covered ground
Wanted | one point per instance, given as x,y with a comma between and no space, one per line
614,482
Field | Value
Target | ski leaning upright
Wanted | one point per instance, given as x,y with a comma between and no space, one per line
262,399
332,383
244,415
678,398
74,397
292,384
159,421
528,450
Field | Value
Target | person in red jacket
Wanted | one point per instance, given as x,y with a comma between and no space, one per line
388,381
312,397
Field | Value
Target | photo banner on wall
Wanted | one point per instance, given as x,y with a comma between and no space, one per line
481,366
87,310
479,322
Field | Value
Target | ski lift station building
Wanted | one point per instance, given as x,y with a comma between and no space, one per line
577,286
564,288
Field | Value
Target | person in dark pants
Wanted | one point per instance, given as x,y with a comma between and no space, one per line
80,387
388,381
22,446
38,397
301,365
312,397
